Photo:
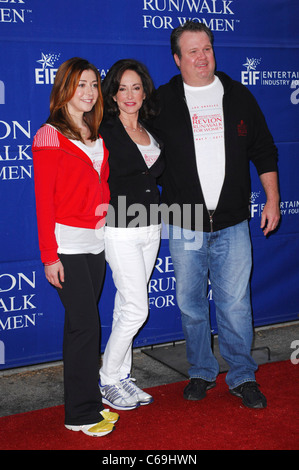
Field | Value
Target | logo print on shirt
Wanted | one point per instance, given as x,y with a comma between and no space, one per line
242,129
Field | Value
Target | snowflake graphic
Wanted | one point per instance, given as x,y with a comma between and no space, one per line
48,60
254,196
251,64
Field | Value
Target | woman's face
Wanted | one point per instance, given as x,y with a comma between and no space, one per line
86,94
130,95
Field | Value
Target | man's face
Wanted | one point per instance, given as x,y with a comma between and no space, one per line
197,62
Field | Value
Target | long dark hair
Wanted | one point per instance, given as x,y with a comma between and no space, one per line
65,84
111,82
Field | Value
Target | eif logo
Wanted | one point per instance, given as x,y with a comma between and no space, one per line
251,76
2,92
2,353
46,74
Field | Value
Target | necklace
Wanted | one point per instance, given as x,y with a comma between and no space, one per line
139,128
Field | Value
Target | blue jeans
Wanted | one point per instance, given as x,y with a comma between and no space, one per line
225,258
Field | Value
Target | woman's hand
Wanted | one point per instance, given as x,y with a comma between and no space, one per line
55,274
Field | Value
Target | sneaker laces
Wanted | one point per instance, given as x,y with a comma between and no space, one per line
129,386
114,392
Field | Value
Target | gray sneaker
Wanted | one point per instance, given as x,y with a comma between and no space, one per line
135,392
116,397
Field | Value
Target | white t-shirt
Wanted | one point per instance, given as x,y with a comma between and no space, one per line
76,240
205,108
150,152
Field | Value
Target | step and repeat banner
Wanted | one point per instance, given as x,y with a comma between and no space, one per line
256,42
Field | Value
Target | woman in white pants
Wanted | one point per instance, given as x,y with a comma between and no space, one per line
132,234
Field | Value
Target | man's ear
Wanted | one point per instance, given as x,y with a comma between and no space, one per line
177,60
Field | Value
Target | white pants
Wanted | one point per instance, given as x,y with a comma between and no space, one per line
131,254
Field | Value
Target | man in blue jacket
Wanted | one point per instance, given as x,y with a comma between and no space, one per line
212,127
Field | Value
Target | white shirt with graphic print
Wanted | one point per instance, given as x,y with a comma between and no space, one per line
205,108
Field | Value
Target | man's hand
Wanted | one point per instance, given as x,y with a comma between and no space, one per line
271,213
270,218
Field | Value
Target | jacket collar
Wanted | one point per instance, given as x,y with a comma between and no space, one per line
70,147
115,123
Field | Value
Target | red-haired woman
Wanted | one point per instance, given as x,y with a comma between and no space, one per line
71,172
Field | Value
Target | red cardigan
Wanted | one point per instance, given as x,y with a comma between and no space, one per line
68,189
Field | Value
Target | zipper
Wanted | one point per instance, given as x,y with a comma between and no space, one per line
104,163
211,213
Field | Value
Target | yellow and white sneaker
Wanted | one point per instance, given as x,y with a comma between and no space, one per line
96,430
109,416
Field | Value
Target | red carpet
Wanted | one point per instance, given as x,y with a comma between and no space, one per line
219,422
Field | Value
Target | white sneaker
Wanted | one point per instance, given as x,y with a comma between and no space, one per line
116,397
96,430
134,391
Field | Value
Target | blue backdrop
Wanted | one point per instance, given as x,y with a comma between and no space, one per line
256,42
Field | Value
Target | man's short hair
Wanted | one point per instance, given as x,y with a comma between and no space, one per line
188,26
